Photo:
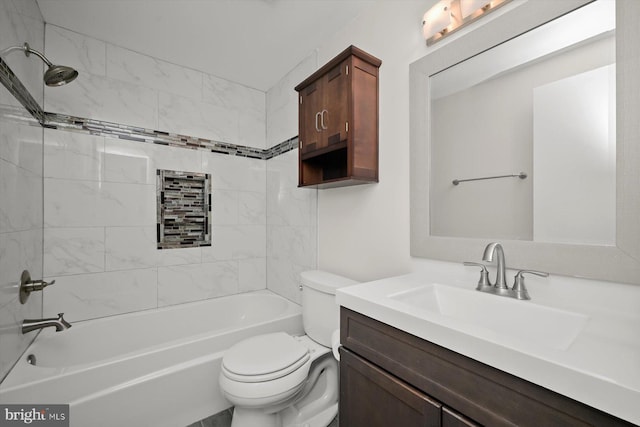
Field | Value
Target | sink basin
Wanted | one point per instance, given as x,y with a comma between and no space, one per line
493,315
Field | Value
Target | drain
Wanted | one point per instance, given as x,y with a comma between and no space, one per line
31,359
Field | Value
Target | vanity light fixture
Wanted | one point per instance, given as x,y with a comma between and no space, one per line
448,16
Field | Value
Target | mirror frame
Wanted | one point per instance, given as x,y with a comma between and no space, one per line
617,263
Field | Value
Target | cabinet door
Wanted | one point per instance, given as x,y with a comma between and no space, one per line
309,120
335,111
370,397
451,418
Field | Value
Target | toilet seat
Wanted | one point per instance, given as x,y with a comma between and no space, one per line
264,358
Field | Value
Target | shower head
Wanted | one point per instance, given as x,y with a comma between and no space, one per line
56,75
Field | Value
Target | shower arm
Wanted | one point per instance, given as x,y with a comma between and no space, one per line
27,51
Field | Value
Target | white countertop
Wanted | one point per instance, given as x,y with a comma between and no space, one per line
600,368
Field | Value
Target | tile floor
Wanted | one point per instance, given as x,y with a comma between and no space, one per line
223,419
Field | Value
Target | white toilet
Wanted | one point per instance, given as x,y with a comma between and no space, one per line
278,380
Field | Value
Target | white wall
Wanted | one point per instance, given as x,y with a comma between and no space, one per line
20,180
363,231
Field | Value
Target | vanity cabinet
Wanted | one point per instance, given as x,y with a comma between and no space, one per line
338,122
389,377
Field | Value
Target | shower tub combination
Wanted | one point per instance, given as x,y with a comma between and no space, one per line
157,367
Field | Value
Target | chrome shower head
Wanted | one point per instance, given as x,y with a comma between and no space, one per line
56,75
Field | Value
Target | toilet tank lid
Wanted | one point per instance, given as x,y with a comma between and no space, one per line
324,281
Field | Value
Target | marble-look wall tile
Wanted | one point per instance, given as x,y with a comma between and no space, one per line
125,204
168,257
186,283
291,211
235,173
21,193
132,67
20,181
186,116
251,208
282,102
73,155
296,244
224,207
28,8
250,104
100,98
128,248
235,242
20,250
72,203
137,162
73,250
100,192
88,296
16,29
283,278
252,274
291,226
21,145
12,341
81,52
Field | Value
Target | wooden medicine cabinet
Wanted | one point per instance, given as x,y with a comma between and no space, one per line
338,122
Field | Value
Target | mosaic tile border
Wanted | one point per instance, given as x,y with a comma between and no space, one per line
17,89
131,133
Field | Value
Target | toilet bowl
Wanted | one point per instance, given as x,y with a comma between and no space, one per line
279,380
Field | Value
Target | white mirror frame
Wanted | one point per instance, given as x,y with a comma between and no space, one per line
619,263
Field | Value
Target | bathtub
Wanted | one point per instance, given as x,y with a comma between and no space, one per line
157,367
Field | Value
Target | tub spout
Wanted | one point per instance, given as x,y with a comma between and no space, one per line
59,323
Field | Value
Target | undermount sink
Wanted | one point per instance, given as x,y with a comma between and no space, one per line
504,317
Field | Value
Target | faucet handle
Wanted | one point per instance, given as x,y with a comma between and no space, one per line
483,282
27,285
518,288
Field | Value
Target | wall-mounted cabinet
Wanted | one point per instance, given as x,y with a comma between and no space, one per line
338,122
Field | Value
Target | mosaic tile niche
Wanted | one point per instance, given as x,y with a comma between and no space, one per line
184,209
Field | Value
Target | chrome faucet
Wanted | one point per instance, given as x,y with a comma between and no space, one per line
496,248
59,323
518,291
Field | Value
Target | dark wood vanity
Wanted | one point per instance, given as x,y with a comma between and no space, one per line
391,378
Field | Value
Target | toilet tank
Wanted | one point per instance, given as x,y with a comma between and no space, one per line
320,313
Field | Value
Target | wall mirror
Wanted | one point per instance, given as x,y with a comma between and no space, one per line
541,98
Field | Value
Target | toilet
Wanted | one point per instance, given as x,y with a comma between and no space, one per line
279,380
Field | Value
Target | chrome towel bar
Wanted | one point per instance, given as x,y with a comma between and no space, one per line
520,175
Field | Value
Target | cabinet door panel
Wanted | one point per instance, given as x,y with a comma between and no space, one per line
311,99
335,112
370,397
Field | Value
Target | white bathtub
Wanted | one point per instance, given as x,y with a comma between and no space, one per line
148,368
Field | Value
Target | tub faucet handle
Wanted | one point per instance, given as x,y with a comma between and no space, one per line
27,285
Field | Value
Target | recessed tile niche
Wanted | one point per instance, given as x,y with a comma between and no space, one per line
184,209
